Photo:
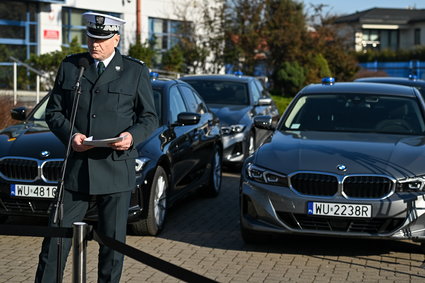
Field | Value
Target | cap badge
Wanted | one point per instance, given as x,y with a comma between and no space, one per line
100,20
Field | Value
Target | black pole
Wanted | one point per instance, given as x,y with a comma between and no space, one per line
58,216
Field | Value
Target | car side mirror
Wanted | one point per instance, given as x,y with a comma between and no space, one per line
188,118
264,122
265,101
19,113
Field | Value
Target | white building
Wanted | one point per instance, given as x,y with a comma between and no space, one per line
41,26
384,28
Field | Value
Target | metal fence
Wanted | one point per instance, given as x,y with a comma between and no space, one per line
397,69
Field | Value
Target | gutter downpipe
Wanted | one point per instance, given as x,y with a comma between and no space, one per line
138,19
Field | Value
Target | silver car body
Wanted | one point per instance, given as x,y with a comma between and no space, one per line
334,181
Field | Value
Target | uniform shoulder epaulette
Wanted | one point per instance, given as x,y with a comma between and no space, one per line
75,54
134,59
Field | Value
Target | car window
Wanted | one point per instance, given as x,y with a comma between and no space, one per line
356,113
176,104
192,104
221,92
255,92
202,107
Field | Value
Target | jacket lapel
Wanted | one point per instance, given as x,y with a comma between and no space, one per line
91,73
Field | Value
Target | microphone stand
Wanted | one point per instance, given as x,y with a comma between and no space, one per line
58,216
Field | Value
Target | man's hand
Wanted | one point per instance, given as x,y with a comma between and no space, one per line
125,144
77,143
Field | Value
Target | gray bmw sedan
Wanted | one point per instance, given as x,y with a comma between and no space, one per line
345,159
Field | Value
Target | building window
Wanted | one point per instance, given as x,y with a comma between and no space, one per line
380,39
417,40
18,30
165,33
73,25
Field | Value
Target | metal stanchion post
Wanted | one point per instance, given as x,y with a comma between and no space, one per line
79,252
15,83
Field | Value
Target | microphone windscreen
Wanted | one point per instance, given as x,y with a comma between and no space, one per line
83,62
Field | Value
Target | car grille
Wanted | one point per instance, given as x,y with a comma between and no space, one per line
22,169
351,187
25,207
353,225
315,184
367,186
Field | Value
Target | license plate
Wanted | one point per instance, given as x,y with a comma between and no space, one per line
33,191
339,209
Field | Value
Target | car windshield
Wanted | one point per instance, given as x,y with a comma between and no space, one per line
221,92
356,113
39,115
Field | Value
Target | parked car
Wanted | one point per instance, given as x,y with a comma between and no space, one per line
236,100
182,155
409,81
346,159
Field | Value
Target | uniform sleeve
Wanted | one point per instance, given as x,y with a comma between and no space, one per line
146,120
57,110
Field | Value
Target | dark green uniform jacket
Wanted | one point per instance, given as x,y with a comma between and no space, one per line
120,100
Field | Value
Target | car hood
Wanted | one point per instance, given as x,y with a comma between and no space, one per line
29,140
394,155
230,114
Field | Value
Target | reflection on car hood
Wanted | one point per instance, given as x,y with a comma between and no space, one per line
29,140
395,155
230,114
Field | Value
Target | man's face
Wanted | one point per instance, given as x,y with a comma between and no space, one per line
100,49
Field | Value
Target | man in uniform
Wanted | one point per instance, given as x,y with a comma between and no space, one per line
116,101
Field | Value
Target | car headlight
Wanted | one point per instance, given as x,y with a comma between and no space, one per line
411,185
141,163
265,176
232,129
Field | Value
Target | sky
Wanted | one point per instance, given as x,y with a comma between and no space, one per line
340,7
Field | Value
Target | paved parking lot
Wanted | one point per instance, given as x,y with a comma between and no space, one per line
202,235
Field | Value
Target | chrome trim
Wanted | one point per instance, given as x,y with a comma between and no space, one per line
340,179
40,165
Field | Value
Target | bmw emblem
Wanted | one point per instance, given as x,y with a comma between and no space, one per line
45,153
341,167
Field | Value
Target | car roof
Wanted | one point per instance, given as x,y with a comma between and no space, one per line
232,78
361,88
165,82
392,80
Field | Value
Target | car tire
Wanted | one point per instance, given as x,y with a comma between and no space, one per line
157,207
213,187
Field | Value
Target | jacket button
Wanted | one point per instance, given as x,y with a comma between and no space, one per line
93,115
97,90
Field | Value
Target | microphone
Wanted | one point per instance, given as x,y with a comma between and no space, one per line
83,64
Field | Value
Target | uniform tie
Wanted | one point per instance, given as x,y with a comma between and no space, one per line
100,68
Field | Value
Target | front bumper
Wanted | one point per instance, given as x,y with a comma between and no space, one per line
234,147
273,209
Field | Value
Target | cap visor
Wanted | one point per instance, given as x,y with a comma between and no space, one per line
89,34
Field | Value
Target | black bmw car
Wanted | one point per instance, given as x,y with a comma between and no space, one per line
236,100
184,154
346,159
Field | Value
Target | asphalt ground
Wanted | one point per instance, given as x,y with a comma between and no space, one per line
202,235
